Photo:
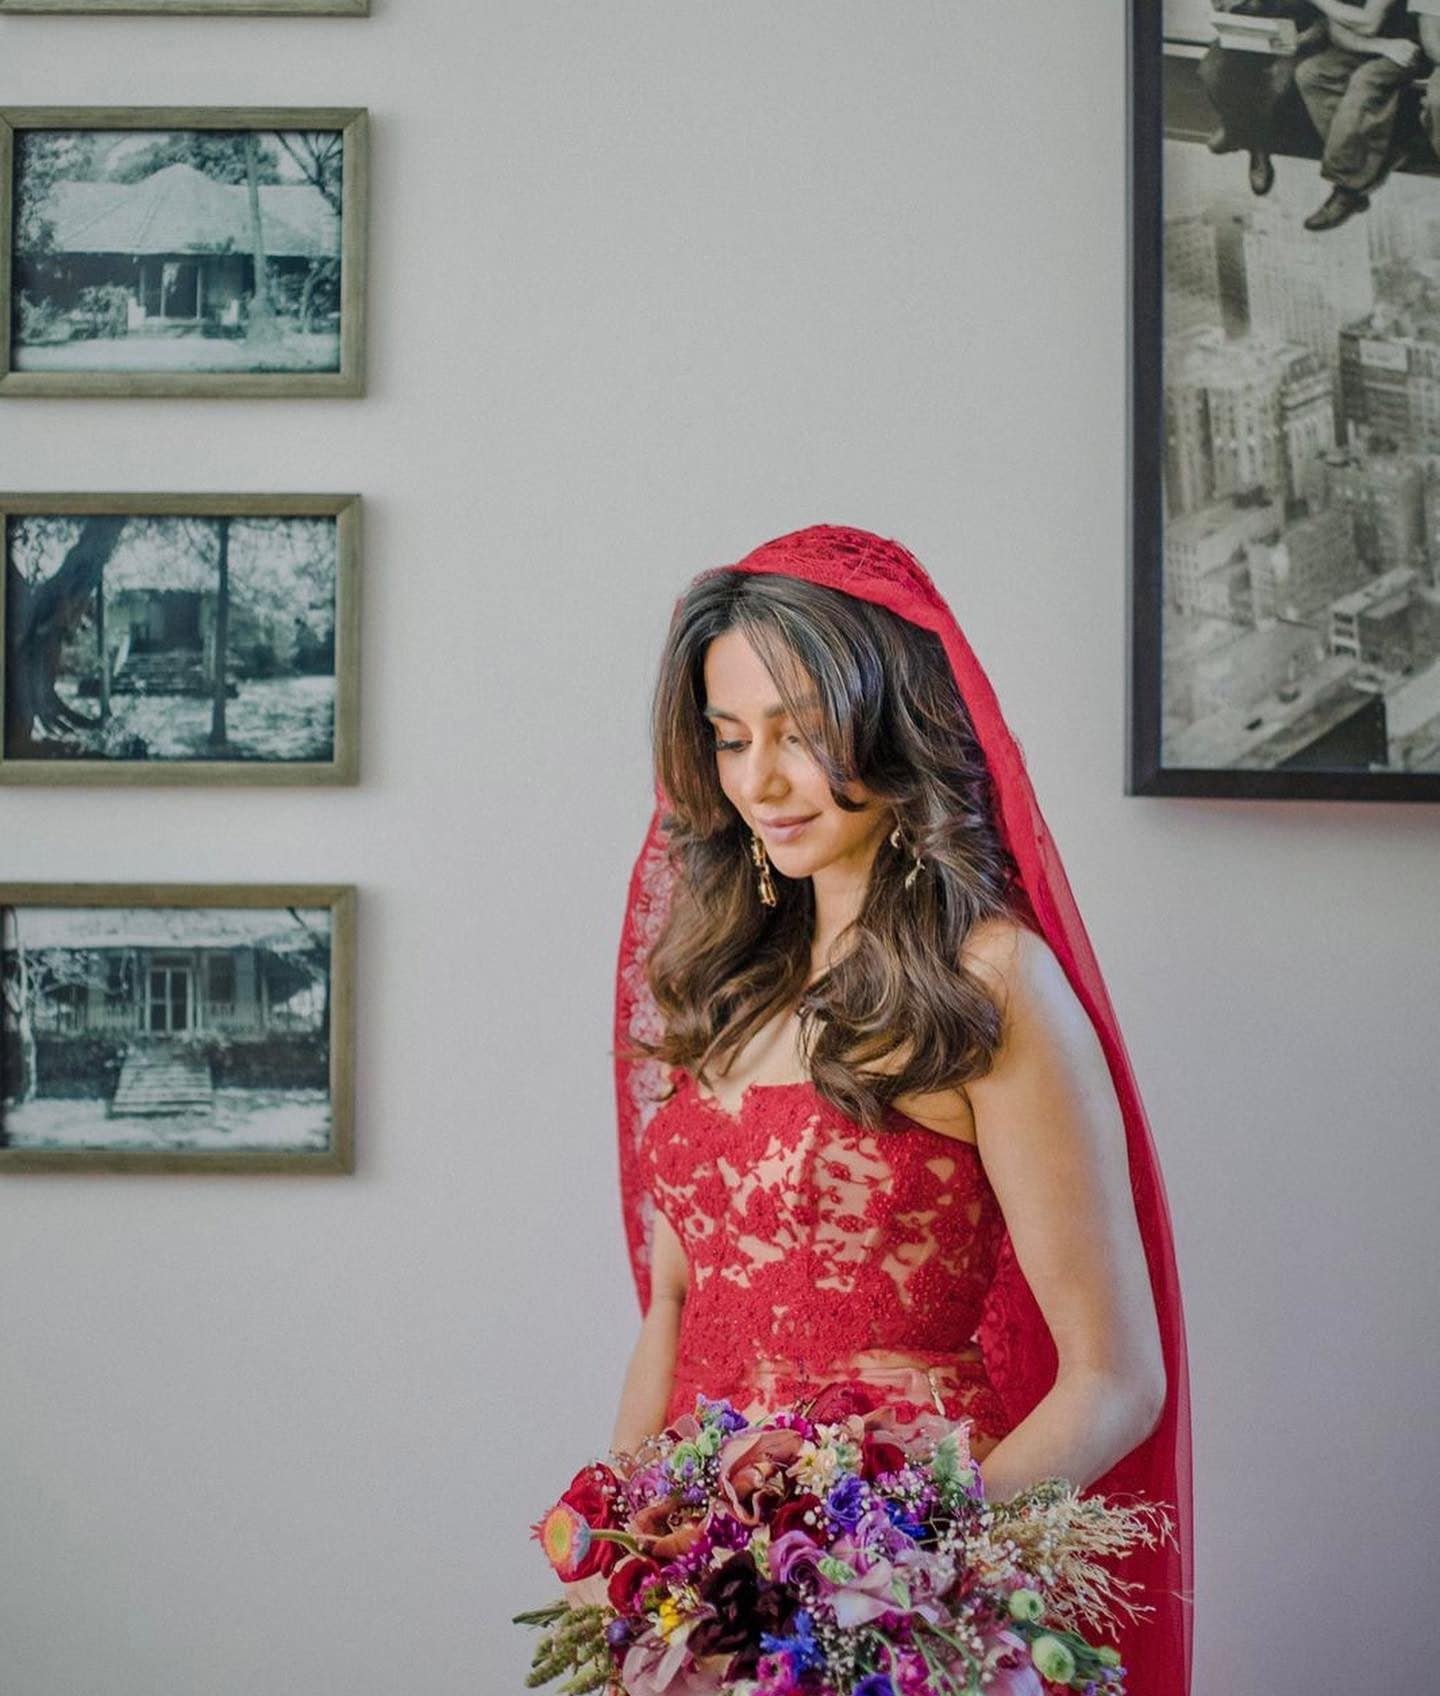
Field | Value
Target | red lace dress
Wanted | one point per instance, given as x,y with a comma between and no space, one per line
820,1251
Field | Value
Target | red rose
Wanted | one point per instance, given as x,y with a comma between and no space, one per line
592,1494
790,1516
878,1454
629,1579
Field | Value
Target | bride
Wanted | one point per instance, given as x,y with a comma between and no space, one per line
877,1120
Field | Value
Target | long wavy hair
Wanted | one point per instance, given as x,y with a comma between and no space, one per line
898,1012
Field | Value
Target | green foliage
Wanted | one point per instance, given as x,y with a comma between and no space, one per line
573,1642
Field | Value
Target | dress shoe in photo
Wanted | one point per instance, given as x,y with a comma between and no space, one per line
1343,203
1218,141
1262,173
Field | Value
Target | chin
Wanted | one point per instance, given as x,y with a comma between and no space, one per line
798,860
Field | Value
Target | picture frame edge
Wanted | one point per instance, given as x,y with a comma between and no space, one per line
338,1158
341,770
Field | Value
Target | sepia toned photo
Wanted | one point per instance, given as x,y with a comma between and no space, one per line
179,639
179,1028
219,255
1287,595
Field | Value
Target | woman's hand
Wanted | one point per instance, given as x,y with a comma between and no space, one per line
1405,53
1364,18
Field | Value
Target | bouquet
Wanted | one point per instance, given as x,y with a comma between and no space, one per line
844,1548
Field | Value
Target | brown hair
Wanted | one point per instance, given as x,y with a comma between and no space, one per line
892,718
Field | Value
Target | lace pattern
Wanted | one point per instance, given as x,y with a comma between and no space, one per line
819,1250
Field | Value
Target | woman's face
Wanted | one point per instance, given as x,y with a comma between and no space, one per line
770,777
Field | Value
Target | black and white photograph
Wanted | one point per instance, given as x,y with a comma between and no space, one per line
184,258
144,1031
1286,594
179,639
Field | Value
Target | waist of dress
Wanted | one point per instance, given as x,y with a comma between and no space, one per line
920,1375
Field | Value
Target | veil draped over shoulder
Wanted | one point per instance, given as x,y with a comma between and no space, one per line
1019,1352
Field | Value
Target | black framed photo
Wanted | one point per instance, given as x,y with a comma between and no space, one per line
179,639
176,1027
1284,592
182,251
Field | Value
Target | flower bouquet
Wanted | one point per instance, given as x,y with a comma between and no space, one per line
841,1549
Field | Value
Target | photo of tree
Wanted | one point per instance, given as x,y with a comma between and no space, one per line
171,637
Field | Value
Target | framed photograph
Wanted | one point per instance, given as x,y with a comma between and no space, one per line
182,251
1284,603
176,1027
181,8
190,639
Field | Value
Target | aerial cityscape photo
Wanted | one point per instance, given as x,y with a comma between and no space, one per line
1301,567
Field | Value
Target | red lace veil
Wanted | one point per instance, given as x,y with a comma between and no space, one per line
1019,1353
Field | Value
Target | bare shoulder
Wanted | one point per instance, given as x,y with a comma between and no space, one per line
1018,968
1006,954
1030,985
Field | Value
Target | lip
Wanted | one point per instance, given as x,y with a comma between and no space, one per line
782,830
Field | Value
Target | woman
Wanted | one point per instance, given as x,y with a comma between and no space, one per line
877,1120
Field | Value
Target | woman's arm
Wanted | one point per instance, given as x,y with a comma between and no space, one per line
1361,19
646,1392
1052,1139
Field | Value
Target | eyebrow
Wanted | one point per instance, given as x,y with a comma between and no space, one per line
775,711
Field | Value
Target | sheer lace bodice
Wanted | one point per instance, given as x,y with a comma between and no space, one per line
818,1250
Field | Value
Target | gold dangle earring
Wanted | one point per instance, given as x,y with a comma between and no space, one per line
896,841
768,896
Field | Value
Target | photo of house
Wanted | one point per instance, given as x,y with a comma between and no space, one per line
177,250
199,1028
203,636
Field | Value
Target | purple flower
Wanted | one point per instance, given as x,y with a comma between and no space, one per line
875,1684
727,1533
725,1415
846,1502
902,1521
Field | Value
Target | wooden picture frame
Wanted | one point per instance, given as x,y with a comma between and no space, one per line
277,711
1295,664
189,8
114,284
177,1027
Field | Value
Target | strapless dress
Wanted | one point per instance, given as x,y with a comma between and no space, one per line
821,1252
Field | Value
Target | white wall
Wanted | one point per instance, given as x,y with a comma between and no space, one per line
654,280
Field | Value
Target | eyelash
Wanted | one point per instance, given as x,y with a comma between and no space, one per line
729,747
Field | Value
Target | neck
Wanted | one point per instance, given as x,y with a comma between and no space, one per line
839,895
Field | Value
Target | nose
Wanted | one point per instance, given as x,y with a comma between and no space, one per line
761,779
